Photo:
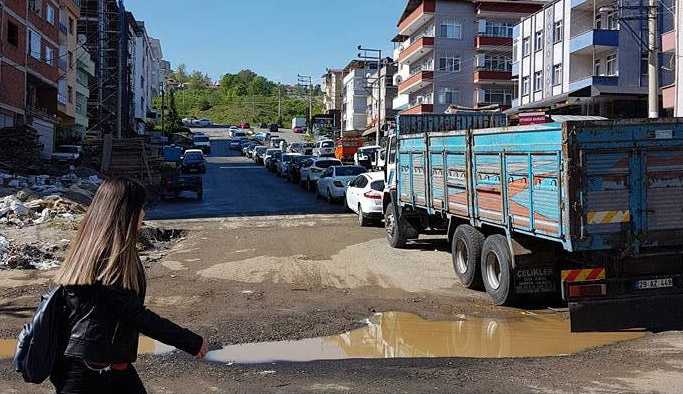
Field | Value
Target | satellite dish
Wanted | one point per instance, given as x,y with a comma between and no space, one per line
401,48
398,79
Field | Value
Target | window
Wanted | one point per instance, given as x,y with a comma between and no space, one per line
498,29
34,44
50,14
503,97
449,96
611,65
515,50
557,74
451,29
497,63
557,32
539,40
71,59
13,34
644,63
538,81
49,56
449,64
613,20
526,46
34,5
525,85
70,94
598,21
597,67
71,26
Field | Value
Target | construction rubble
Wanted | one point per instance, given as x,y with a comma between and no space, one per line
35,199
42,256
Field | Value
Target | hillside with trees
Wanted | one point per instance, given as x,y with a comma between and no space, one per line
242,97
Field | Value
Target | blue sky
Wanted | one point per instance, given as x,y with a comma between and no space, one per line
275,38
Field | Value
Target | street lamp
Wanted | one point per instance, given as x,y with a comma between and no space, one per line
364,55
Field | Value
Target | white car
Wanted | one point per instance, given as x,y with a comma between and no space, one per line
312,168
269,154
203,122
366,156
334,181
201,141
284,161
364,197
238,133
324,148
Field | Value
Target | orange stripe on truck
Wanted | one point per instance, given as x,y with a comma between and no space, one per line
583,275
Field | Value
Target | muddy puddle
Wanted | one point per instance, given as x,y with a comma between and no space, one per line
145,346
406,335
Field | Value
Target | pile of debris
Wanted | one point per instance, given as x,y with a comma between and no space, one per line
36,199
20,149
29,256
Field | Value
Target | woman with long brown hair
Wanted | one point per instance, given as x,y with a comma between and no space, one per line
105,287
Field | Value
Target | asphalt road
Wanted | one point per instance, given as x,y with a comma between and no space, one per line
235,186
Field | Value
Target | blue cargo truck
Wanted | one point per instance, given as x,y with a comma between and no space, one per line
589,210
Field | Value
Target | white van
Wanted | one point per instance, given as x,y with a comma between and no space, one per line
239,133
201,141
324,148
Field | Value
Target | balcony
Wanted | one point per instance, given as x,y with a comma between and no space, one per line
593,81
487,42
417,81
419,109
421,15
492,76
416,50
596,39
669,41
61,98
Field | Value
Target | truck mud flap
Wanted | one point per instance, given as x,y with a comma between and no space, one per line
653,313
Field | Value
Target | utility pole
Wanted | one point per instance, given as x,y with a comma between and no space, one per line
653,62
279,105
163,108
364,55
308,80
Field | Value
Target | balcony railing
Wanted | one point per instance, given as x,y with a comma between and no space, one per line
417,49
63,28
61,98
419,17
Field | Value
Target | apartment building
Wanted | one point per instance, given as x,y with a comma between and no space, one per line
143,61
332,87
587,57
355,95
69,13
380,102
29,44
456,53
85,72
672,44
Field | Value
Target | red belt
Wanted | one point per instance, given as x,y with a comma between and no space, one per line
115,367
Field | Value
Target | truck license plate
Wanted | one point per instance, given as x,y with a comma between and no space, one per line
654,283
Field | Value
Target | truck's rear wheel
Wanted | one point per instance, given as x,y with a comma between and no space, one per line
496,270
396,233
466,253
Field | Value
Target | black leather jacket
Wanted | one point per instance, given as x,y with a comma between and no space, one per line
103,324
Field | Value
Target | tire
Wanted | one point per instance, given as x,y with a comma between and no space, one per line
309,185
362,220
466,253
395,232
329,197
496,270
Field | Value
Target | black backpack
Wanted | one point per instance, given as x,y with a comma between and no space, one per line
39,341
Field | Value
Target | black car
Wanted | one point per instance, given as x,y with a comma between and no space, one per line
271,163
193,160
294,168
274,127
263,125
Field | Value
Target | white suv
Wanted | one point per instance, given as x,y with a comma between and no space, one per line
312,168
324,148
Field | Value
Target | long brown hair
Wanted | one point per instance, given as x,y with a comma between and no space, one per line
104,250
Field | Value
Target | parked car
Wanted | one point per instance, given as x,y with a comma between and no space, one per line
298,130
258,154
201,141
274,128
68,154
283,163
294,168
274,161
313,168
262,136
248,149
268,154
175,183
188,122
238,133
235,144
294,147
334,181
366,156
193,160
275,142
364,197
308,148
263,125
203,122
324,148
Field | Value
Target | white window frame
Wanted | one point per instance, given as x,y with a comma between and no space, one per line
558,31
526,46
455,27
34,48
451,63
538,40
538,81
50,14
525,86
49,56
454,95
612,65
557,74
612,22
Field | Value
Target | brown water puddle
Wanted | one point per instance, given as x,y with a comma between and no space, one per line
145,346
406,335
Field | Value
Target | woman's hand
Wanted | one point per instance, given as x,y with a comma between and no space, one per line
202,351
